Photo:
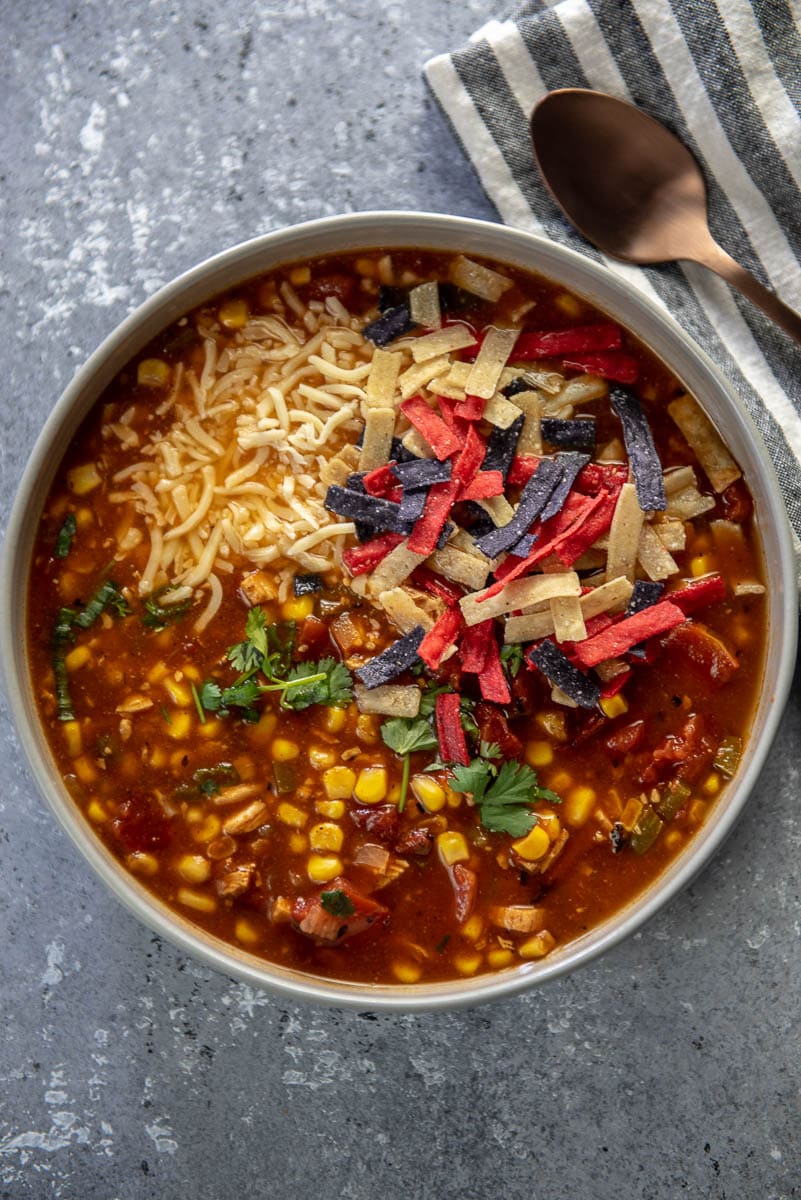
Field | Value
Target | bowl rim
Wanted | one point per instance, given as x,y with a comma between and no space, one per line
393,229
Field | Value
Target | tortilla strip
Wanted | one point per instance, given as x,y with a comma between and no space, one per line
424,308
688,503
463,568
392,570
624,534
671,533
416,444
530,440
653,557
379,429
388,699
609,597
704,439
518,594
483,379
500,411
443,341
402,610
419,374
478,280
383,379
568,619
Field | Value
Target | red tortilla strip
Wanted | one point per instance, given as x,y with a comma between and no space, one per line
432,427
380,482
554,343
651,621
576,512
581,538
474,646
613,365
439,500
492,681
448,409
470,409
615,684
440,638
471,456
699,593
522,468
452,742
483,486
594,476
425,578
361,559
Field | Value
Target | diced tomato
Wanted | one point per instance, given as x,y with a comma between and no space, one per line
382,822
313,640
465,889
703,651
334,284
327,928
494,727
624,740
684,754
735,502
140,824
417,841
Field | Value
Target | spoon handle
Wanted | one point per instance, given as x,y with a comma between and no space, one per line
716,258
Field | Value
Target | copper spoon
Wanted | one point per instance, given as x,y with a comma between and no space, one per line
633,190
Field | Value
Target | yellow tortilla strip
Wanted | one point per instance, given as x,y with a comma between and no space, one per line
492,358
500,411
402,610
609,597
671,533
688,503
383,379
419,374
379,429
397,566
679,479
416,444
443,341
338,468
624,534
460,567
424,306
478,280
518,594
530,440
388,699
653,557
499,508
704,439
568,619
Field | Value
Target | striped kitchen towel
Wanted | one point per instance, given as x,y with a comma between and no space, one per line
726,77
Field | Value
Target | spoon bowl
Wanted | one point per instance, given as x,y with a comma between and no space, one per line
633,189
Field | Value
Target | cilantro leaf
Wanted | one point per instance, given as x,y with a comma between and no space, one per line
337,903
405,735
328,682
513,657
65,535
211,696
158,616
503,795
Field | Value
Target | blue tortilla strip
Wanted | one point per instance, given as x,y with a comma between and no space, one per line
481,521
533,498
555,666
521,384
576,434
523,548
501,447
354,483
571,465
411,509
644,595
379,514
306,585
390,325
399,453
393,661
643,458
421,473
391,297
447,530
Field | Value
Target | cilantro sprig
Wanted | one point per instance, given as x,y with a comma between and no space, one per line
406,736
337,903
503,794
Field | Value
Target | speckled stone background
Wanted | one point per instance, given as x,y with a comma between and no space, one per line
137,138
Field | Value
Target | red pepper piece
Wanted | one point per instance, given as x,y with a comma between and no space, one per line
440,637
614,365
380,482
736,503
624,740
656,619
699,593
474,646
484,485
684,754
614,685
439,501
703,650
522,468
452,742
425,578
492,681
361,559
470,409
555,343
439,437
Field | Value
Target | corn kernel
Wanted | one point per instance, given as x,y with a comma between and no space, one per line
298,842
711,785
430,793
180,725
406,972
297,608
696,812
539,754
153,373
394,794
454,798
700,565
537,946
452,847
334,809
196,900
365,266
263,730
289,814
499,958
322,868
157,758
472,928
157,672
614,706
549,822
569,304
326,836
194,868
467,964
77,658
84,519
283,750
281,910
84,479
534,845
210,728
299,275
367,729
234,314
85,769
96,812
141,863
191,672
246,932
178,693
560,781
579,804
208,828
334,720
339,783
672,839
371,786
321,757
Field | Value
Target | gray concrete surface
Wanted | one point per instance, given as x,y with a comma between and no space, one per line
136,139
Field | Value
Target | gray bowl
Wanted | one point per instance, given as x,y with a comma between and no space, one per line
368,231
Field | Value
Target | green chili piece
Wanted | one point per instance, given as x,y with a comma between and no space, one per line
728,756
285,776
646,831
674,797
